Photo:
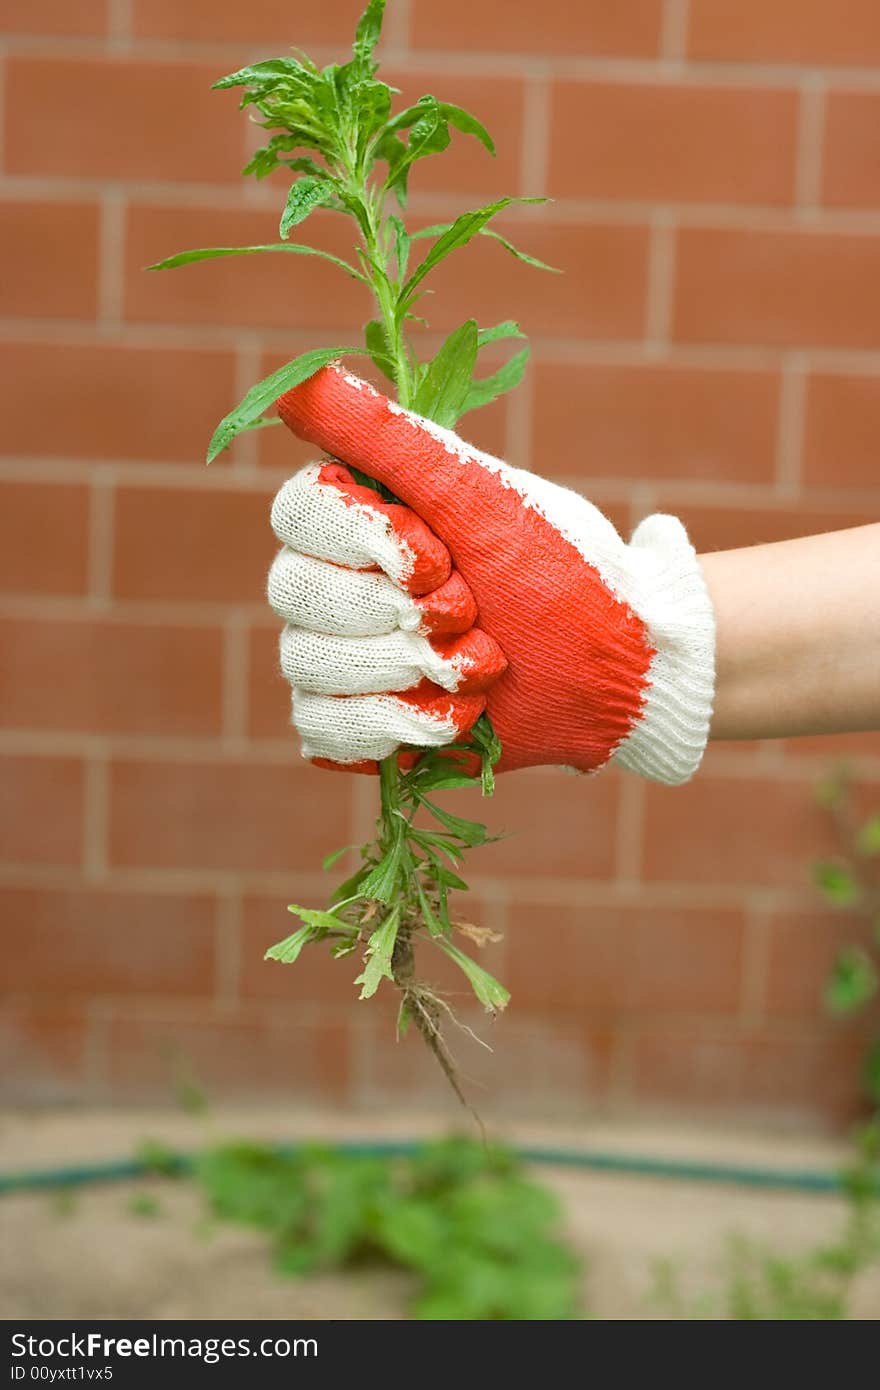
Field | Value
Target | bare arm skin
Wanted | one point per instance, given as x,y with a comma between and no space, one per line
798,636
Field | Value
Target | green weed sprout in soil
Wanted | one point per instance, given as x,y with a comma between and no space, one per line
334,129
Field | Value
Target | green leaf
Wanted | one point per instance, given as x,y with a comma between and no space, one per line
501,331
489,991
868,840
368,31
470,832
404,1019
852,982
380,949
447,381
257,73
267,391
488,745
520,255
377,346
463,229
304,196
428,135
288,950
454,115
484,390
321,921
335,855
837,883
468,124
401,245
212,253
381,882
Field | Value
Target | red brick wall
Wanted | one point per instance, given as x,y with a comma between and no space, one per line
713,348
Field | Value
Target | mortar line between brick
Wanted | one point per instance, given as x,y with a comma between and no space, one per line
534,155
111,256
661,283
755,964
228,945
792,399
397,29
119,25
621,352
467,62
96,806
100,543
674,33
630,830
808,167
236,662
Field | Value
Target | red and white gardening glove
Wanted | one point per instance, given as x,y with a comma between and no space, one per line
492,589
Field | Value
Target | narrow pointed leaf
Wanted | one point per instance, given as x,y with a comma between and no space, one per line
483,390
213,253
491,993
267,391
520,255
463,229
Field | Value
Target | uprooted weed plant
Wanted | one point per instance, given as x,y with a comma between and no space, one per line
334,128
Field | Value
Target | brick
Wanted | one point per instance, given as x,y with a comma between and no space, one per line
623,960
662,141
227,815
554,823
57,17
759,1075
105,105
801,949
258,22
54,248
788,31
96,401
587,29
44,1054
842,428
662,421
199,543
466,166
784,288
57,513
600,294
276,291
41,809
851,152
81,942
111,677
241,1056
729,528
734,830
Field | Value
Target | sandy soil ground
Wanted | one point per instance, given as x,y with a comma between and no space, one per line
89,1254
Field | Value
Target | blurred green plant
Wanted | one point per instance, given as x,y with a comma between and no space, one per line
482,1239
851,881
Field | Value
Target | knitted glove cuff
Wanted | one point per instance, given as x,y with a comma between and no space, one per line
669,593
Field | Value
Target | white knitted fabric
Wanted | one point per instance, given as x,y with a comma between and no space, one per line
328,665
307,513
366,726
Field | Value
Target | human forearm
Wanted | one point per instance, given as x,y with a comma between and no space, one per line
798,634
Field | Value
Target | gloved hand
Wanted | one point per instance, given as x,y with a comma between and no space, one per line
491,588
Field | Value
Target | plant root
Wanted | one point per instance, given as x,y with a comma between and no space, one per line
424,1006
